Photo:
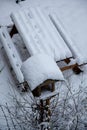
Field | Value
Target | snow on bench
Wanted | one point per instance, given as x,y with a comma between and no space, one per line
40,68
78,49
39,34
12,53
34,70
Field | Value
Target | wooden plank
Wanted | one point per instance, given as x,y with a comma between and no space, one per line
74,67
45,85
82,64
53,87
68,67
12,53
47,82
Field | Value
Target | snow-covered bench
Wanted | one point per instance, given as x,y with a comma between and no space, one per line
78,46
37,74
39,34
33,71
12,53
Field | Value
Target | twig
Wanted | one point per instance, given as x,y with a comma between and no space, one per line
5,117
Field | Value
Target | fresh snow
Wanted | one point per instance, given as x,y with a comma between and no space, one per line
65,9
6,7
35,70
12,53
63,32
74,19
35,21
78,48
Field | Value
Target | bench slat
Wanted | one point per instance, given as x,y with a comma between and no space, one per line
12,53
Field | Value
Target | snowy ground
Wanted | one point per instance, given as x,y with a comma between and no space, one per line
76,82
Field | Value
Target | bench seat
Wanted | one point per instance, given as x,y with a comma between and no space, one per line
39,34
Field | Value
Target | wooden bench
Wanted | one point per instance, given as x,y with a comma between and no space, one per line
40,77
76,48
12,53
16,64
39,34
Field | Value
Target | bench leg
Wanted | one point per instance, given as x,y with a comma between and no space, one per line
53,87
13,31
67,61
77,70
37,92
74,67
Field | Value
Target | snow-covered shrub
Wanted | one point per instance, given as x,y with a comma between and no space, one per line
68,112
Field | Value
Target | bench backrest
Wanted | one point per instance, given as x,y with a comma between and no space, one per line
12,53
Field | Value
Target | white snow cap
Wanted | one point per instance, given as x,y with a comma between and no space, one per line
40,68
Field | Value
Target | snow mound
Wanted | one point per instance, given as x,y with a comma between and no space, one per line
40,68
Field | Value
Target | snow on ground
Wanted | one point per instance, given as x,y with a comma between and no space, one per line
76,30
6,7
76,82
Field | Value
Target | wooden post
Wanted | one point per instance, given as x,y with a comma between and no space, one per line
53,87
67,67
37,92
41,110
67,60
76,69
48,110
47,101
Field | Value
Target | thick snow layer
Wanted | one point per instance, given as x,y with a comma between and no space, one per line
39,34
74,20
12,53
60,28
73,15
40,68
78,52
77,83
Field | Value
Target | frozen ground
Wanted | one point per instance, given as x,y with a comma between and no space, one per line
77,83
